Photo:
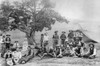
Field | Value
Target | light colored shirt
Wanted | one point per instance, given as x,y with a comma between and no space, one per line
78,34
72,51
9,62
46,38
94,52
1,41
66,39
25,46
17,54
16,45
82,51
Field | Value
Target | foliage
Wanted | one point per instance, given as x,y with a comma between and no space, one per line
29,15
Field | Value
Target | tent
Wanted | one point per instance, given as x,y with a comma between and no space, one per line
87,38
90,34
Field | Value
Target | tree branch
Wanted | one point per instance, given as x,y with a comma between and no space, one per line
21,29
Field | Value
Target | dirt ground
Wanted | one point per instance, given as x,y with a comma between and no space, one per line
65,61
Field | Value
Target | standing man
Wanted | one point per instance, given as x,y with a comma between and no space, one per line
24,46
55,39
63,38
2,41
45,43
8,41
70,34
3,47
45,40
41,40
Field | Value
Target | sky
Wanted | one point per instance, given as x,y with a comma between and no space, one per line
78,9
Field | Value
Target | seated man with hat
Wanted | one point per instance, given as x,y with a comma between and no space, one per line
15,45
91,52
58,51
79,49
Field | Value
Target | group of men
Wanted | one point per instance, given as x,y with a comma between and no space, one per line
70,45
10,52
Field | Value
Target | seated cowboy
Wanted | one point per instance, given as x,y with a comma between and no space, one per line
8,57
91,54
50,52
58,51
15,45
79,50
72,51
9,62
17,56
8,54
70,42
29,56
66,51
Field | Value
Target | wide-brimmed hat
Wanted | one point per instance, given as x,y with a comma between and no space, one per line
16,41
91,43
56,31
70,30
63,32
8,35
41,34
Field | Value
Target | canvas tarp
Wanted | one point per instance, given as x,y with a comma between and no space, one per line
91,32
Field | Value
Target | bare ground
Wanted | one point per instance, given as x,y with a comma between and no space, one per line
65,61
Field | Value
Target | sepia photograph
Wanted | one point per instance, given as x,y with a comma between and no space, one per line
49,32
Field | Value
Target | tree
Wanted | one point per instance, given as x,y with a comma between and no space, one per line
29,16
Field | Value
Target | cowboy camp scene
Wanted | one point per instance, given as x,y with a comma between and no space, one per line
49,32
